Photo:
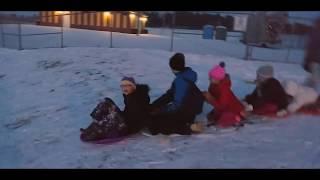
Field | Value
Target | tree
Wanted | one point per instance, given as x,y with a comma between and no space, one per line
228,22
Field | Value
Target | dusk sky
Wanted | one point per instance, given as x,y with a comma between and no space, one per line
295,14
306,14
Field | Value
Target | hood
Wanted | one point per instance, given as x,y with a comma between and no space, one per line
188,74
142,89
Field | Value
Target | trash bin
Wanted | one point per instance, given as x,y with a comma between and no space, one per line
207,32
221,33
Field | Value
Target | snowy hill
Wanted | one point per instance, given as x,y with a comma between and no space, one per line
46,95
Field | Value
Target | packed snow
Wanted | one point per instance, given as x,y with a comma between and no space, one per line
46,96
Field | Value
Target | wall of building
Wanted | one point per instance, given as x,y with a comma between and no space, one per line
103,21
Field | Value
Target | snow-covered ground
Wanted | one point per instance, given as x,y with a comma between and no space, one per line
46,95
158,38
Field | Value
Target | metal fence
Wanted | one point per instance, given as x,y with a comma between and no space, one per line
290,48
21,34
25,34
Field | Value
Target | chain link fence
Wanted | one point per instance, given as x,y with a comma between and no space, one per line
176,31
283,38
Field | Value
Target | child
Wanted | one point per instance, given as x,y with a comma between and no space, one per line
110,123
228,110
301,96
175,111
269,97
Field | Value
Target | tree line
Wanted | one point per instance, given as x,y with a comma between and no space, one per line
193,20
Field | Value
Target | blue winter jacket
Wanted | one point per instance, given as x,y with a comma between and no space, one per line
174,98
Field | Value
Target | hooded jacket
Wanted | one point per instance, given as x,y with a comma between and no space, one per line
269,91
175,98
136,108
224,100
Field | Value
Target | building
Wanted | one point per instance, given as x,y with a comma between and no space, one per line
116,21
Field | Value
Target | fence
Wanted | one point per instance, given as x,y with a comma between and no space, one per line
28,35
25,34
290,48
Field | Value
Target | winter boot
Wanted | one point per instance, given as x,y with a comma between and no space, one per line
197,127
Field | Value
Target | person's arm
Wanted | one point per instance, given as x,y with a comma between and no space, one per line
180,91
251,98
163,100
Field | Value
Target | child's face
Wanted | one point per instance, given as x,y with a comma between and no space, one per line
127,88
259,80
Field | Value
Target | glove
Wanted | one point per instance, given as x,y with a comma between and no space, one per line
282,113
208,97
248,107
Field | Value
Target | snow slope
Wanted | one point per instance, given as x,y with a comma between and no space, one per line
46,95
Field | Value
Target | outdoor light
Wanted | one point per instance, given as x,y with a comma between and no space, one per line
143,19
131,15
106,14
61,12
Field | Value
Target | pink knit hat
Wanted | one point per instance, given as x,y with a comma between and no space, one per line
217,73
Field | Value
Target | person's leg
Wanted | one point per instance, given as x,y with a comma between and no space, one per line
184,122
228,119
107,122
170,123
266,109
159,123
213,117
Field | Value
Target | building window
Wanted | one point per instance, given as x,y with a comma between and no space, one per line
98,19
79,18
105,20
125,22
73,18
50,18
56,18
118,19
44,16
111,20
133,20
85,19
92,19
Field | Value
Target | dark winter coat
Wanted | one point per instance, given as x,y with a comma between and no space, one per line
175,99
268,92
224,100
136,108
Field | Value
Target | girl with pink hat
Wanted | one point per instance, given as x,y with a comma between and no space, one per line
228,110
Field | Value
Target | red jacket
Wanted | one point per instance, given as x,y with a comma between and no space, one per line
224,100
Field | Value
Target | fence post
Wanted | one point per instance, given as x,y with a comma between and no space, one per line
172,33
2,36
19,36
288,53
111,43
61,34
248,52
